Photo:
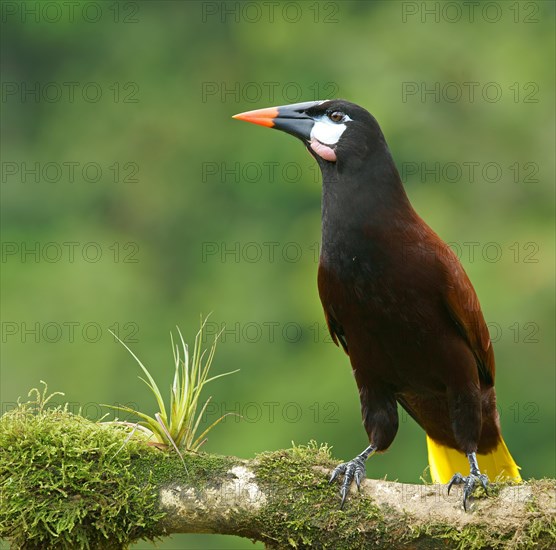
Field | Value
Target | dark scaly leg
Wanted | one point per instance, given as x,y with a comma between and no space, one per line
465,405
380,418
352,470
469,482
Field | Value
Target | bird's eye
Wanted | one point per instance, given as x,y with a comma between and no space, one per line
336,116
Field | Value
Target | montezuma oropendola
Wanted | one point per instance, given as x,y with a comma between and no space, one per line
397,299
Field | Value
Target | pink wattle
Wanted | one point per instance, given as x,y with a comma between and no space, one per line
323,151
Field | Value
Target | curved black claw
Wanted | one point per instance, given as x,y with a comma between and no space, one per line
469,484
352,470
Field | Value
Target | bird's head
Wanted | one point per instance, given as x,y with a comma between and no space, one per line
333,130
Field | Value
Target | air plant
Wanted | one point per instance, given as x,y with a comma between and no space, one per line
178,425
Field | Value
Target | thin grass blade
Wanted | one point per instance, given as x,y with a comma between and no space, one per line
155,389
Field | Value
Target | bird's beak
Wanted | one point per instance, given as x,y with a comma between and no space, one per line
292,119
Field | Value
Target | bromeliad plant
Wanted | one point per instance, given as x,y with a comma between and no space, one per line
177,426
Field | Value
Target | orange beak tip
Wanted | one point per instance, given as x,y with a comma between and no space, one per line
262,117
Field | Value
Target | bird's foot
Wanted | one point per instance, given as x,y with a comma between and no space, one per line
469,484
352,470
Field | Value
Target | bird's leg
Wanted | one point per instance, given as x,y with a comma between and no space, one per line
471,480
354,469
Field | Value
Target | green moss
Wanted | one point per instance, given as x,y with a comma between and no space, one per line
165,467
471,537
307,489
307,486
541,527
66,482
70,483
539,532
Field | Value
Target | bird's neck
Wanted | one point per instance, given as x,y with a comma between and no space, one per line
358,196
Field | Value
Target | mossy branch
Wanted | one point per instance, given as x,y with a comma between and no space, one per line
70,483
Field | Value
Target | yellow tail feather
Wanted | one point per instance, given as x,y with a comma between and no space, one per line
444,462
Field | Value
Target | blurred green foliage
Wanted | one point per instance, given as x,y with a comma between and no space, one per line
186,237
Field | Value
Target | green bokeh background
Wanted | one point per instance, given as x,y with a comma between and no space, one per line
204,185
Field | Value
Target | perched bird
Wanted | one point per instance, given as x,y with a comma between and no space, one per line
398,301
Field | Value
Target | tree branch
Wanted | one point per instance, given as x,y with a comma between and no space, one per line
71,483
284,500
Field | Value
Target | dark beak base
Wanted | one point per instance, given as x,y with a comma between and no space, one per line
292,119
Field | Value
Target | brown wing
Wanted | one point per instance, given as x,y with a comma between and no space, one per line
336,331
464,308
329,286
